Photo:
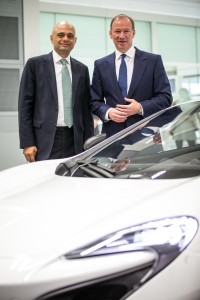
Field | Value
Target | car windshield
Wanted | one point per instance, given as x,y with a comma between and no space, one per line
164,147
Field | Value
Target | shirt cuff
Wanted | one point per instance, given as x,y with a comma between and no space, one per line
141,112
106,116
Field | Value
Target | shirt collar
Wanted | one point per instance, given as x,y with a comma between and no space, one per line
130,53
57,57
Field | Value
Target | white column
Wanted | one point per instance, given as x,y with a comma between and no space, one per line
31,28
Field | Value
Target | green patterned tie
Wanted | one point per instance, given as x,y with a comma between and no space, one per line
67,94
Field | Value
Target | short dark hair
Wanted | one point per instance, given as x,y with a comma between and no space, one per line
122,16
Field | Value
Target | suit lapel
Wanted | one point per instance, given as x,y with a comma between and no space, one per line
139,68
50,74
110,71
76,69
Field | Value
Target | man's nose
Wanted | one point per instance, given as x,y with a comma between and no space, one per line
65,37
122,34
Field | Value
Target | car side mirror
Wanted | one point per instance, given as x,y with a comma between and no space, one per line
94,140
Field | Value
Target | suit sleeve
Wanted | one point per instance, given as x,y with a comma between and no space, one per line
98,105
88,121
26,102
160,96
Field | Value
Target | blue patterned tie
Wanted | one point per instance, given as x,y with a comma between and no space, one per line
122,80
67,94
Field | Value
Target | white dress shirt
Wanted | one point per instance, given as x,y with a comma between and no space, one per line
58,72
129,60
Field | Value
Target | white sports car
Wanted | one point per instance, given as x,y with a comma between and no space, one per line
119,221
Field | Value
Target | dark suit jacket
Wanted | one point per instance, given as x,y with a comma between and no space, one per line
149,86
38,105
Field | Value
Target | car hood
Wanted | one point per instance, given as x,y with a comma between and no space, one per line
45,215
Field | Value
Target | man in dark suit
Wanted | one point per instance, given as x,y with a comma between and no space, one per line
43,130
147,88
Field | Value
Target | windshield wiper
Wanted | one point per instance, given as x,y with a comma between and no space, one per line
94,169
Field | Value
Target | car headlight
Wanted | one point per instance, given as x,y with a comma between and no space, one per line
168,238
163,239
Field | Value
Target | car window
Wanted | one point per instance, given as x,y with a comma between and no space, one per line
165,145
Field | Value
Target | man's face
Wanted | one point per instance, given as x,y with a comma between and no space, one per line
122,34
63,39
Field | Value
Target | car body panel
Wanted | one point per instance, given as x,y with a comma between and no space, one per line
44,216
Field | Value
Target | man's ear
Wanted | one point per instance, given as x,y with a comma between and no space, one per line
110,33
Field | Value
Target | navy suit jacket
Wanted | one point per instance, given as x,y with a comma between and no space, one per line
149,86
38,105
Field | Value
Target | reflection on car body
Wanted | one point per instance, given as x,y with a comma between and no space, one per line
119,221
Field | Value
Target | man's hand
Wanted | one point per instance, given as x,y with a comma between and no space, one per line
29,153
117,115
130,109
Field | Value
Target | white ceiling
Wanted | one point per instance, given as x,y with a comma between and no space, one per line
183,8
188,1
